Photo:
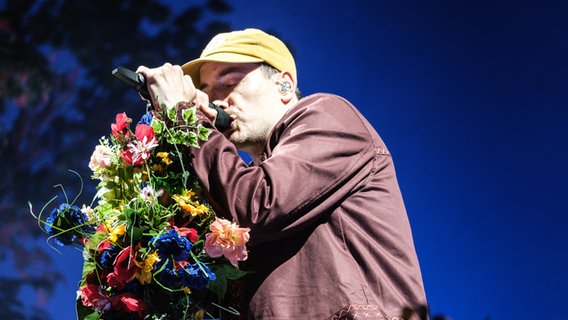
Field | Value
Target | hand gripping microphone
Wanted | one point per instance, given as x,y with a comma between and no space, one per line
138,82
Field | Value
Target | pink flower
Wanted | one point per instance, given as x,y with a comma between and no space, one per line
93,296
120,128
100,158
228,240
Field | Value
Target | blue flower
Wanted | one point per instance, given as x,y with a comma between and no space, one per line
146,119
107,258
68,224
171,244
168,276
194,277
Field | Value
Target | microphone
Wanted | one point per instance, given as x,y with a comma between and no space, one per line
138,82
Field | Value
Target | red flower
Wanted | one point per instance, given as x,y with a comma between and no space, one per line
130,303
103,246
144,130
124,269
189,233
96,278
93,296
120,128
128,155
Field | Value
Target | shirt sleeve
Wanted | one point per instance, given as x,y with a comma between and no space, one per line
312,153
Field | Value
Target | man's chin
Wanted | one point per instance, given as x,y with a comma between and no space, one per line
234,137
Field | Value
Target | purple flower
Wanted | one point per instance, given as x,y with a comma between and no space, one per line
68,225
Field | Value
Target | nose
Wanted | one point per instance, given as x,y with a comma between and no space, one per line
223,104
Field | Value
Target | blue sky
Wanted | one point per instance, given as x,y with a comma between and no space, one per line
471,99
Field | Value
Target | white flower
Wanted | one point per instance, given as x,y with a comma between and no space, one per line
101,158
140,149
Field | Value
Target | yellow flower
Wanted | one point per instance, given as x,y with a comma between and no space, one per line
157,168
144,274
200,209
116,232
190,205
199,315
142,172
165,157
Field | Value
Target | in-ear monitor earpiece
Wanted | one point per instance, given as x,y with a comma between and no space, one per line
284,85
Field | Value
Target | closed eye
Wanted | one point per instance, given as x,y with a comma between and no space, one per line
231,85
226,80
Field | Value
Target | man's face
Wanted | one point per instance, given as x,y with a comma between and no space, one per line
250,98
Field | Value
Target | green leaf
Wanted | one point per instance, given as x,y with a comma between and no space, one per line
172,113
229,272
175,137
203,132
95,240
84,313
93,316
189,115
185,138
190,139
158,125
131,216
136,233
219,287
88,267
224,273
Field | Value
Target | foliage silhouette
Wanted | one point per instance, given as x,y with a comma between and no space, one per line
57,97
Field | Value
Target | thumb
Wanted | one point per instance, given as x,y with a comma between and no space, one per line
201,101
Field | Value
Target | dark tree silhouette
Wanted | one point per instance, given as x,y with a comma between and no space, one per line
57,97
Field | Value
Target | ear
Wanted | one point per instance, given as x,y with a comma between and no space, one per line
287,86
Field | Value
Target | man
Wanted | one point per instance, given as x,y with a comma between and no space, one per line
330,237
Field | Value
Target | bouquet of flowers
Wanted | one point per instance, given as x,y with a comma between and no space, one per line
153,247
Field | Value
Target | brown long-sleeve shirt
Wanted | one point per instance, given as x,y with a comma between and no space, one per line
330,237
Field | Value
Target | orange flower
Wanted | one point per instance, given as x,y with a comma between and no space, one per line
189,205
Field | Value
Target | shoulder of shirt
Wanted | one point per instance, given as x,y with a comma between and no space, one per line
325,102
321,96
321,102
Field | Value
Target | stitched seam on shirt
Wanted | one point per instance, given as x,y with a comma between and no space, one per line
379,151
367,311
382,151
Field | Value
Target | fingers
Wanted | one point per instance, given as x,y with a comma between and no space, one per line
142,70
201,99
168,85
202,103
151,72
